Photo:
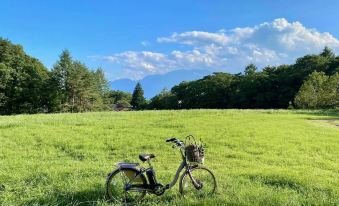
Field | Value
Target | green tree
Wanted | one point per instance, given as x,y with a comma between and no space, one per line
23,80
76,88
116,97
60,76
5,78
138,100
122,105
319,91
83,93
164,100
103,88
101,82
327,52
250,69
212,91
331,100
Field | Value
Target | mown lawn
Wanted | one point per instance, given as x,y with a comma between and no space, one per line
260,157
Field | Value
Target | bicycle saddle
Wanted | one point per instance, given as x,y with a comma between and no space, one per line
144,157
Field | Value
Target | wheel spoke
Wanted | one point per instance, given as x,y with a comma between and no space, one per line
201,183
117,183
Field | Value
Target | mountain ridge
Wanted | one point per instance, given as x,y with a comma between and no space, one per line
153,84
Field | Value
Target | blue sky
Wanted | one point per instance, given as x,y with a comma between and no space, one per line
134,39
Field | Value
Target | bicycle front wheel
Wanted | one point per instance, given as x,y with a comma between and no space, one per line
198,182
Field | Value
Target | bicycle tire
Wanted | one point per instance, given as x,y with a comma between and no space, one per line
119,187
186,181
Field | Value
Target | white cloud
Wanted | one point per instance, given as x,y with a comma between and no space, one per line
196,38
139,64
269,43
145,43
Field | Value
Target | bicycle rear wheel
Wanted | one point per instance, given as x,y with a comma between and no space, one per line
198,183
116,186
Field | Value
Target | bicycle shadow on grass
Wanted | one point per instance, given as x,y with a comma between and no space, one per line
93,196
96,196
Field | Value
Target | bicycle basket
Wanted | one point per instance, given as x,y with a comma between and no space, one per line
194,153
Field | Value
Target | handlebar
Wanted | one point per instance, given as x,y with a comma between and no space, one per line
177,142
171,140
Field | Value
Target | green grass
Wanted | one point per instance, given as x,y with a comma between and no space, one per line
260,157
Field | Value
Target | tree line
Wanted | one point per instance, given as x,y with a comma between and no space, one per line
311,83
27,86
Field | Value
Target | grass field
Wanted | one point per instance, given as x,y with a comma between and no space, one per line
260,157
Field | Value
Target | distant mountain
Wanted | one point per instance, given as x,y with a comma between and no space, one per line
126,85
153,84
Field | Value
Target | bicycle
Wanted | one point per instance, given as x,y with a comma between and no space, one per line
128,184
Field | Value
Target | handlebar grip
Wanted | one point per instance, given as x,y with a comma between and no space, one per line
170,140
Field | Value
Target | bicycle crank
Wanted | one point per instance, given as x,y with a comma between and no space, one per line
158,190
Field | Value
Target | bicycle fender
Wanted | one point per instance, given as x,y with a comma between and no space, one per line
126,165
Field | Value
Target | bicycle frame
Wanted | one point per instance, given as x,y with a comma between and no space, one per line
169,185
180,168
